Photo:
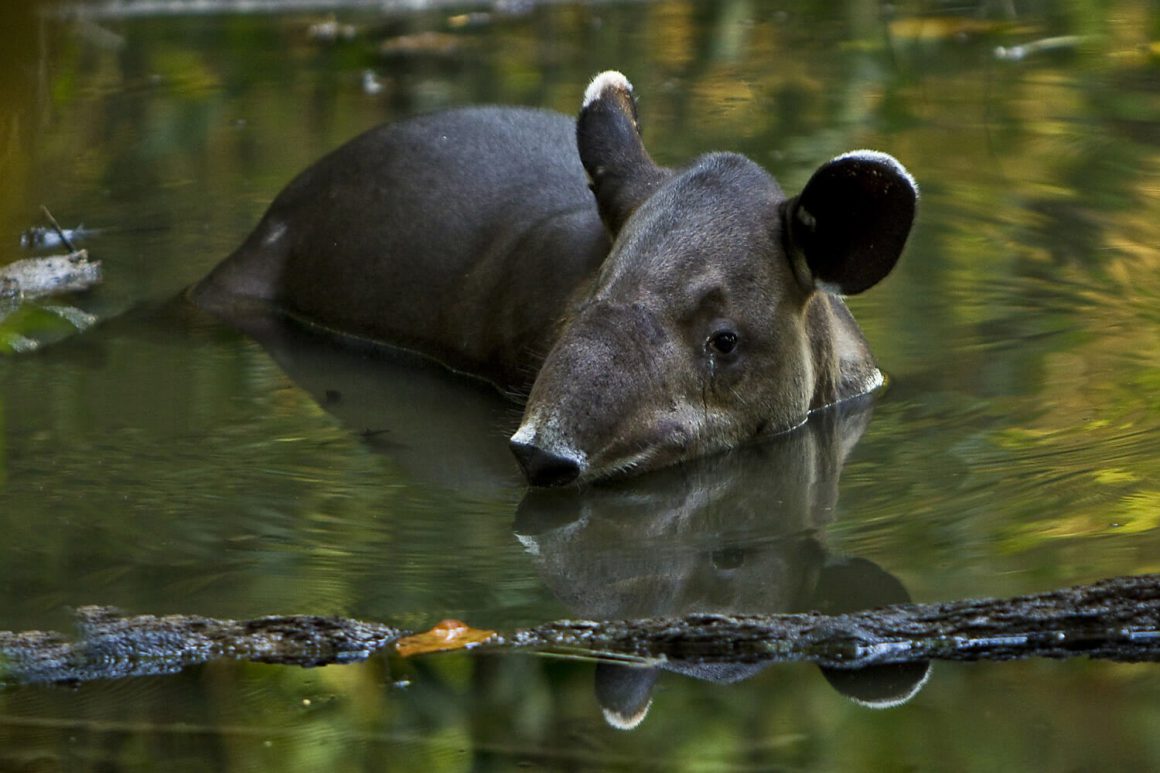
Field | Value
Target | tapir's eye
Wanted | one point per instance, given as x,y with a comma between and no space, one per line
723,342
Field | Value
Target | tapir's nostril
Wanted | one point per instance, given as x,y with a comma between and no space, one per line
544,468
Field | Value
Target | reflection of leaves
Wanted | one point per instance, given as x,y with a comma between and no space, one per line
190,70
1138,511
934,29
1112,477
445,636
28,326
1098,470
1134,513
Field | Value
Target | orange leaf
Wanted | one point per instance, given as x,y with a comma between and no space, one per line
446,635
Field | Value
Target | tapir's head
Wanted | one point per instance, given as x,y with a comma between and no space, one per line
708,323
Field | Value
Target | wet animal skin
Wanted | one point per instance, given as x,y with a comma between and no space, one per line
651,315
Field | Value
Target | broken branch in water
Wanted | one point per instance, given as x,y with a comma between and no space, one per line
1116,619
50,275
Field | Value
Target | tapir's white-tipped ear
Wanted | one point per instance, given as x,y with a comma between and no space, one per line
624,693
605,83
883,160
612,152
848,584
848,226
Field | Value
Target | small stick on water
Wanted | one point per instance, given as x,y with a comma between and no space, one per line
59,231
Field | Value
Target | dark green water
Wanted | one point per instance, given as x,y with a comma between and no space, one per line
164,464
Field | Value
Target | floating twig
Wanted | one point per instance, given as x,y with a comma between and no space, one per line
64,237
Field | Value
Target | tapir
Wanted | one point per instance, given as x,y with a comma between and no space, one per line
650,315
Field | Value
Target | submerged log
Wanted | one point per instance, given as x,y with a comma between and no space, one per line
1115,619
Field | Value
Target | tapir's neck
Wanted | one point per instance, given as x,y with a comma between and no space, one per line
843,365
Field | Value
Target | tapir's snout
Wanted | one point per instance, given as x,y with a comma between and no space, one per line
543,467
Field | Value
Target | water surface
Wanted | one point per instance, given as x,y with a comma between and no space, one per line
162,463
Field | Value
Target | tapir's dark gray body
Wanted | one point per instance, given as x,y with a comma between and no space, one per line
471,261
655,315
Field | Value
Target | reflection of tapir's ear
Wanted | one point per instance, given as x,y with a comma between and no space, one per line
848,226
624,693
608,138
852,584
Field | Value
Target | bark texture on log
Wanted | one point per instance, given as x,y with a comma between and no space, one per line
1114,619
110,645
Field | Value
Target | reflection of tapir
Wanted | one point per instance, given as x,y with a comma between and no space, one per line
731,536
673,314
439,431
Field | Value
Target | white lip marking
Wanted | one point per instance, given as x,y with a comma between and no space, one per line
549,438
609,79
530,544
524,434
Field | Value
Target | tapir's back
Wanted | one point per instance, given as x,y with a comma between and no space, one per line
458,234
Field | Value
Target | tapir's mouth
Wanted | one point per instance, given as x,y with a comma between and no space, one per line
543,467
645,457
553,464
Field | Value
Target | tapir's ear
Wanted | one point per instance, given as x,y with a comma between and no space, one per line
848,226
621,172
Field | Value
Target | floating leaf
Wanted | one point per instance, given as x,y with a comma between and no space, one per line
445,636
